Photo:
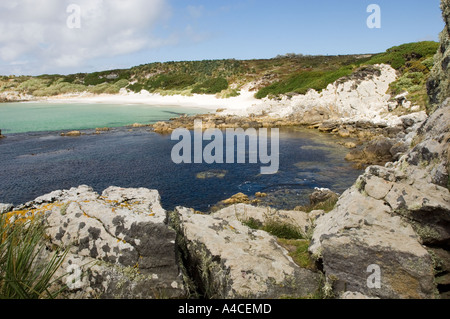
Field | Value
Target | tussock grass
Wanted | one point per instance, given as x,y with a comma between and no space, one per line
22,274
283,230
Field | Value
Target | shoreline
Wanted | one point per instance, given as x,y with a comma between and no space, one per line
370,141
210,102
362,98
244,105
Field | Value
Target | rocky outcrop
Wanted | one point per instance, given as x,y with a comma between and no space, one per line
122,244
439,82
361,232
119,244
361,96
229,260
72,134
427,183
397,217
377,151
359,99
321,195
382,148
13,96
390,217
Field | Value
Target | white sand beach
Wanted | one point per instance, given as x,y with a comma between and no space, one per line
237,104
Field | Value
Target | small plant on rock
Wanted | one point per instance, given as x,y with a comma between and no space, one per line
22,274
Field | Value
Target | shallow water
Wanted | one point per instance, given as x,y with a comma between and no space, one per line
33,164
38,117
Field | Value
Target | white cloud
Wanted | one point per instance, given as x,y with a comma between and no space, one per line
37,31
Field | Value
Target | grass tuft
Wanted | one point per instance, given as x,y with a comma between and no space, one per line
22,274
283,230
275,228
298,250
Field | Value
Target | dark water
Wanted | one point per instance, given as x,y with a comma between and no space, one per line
34,164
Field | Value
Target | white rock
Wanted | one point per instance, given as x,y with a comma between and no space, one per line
234,261
361,232
5,208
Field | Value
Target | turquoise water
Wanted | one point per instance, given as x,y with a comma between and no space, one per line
41,117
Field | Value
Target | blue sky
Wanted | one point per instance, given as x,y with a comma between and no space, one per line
121,34
255,28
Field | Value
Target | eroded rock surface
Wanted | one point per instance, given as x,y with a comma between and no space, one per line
390,217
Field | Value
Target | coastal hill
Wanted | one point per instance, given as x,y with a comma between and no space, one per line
290,74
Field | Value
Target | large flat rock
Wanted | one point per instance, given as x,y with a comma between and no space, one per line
229,260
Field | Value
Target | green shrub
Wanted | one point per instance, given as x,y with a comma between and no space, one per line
304,81
410,82
136,87
60,88
275,228
428,63
211,86
282,230
416,66
225,94
253,223
398,56
170,82
94,79
327,206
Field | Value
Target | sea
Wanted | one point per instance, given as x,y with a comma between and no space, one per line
35,159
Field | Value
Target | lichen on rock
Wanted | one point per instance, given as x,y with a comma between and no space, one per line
119,244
